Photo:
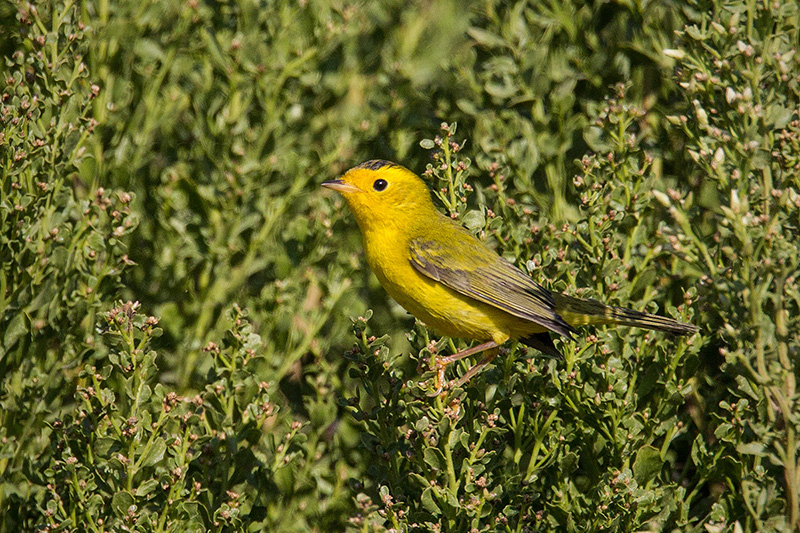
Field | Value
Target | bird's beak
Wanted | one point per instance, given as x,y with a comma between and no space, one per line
340,186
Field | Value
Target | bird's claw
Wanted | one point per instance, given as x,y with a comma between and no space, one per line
440,381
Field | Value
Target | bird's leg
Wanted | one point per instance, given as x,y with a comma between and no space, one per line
488,358
442,363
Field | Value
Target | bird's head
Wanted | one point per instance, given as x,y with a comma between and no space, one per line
381,193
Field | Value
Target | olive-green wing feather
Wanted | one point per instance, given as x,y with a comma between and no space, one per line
461,262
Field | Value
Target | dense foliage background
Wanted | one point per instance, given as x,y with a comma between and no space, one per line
168,154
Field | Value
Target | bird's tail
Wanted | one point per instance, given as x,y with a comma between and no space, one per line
579,312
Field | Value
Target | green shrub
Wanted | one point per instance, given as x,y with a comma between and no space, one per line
132,455
169,152
738,70
62,244
71,235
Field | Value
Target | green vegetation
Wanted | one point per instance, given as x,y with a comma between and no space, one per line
189,337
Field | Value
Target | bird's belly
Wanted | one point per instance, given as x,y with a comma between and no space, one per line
445,310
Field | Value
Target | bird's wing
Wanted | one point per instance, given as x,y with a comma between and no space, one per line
464,264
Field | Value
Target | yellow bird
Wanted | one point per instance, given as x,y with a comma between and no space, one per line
452,282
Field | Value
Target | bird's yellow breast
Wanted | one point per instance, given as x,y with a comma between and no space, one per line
438,306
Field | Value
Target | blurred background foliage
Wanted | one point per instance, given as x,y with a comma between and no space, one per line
644,153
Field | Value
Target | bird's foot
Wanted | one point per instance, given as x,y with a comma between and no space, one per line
440,379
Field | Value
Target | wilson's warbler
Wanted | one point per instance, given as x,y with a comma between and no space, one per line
452,282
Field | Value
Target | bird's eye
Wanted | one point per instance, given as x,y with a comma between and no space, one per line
379,185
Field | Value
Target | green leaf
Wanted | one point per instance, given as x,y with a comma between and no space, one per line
454,439
155,453
422,424
746,386
15,330
146,488
486,38
58,257
647,465
723,432
121,502
569,463
148,49
474,220
193,522
752,448
95,502
418,480
434,458
429,502
105,446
